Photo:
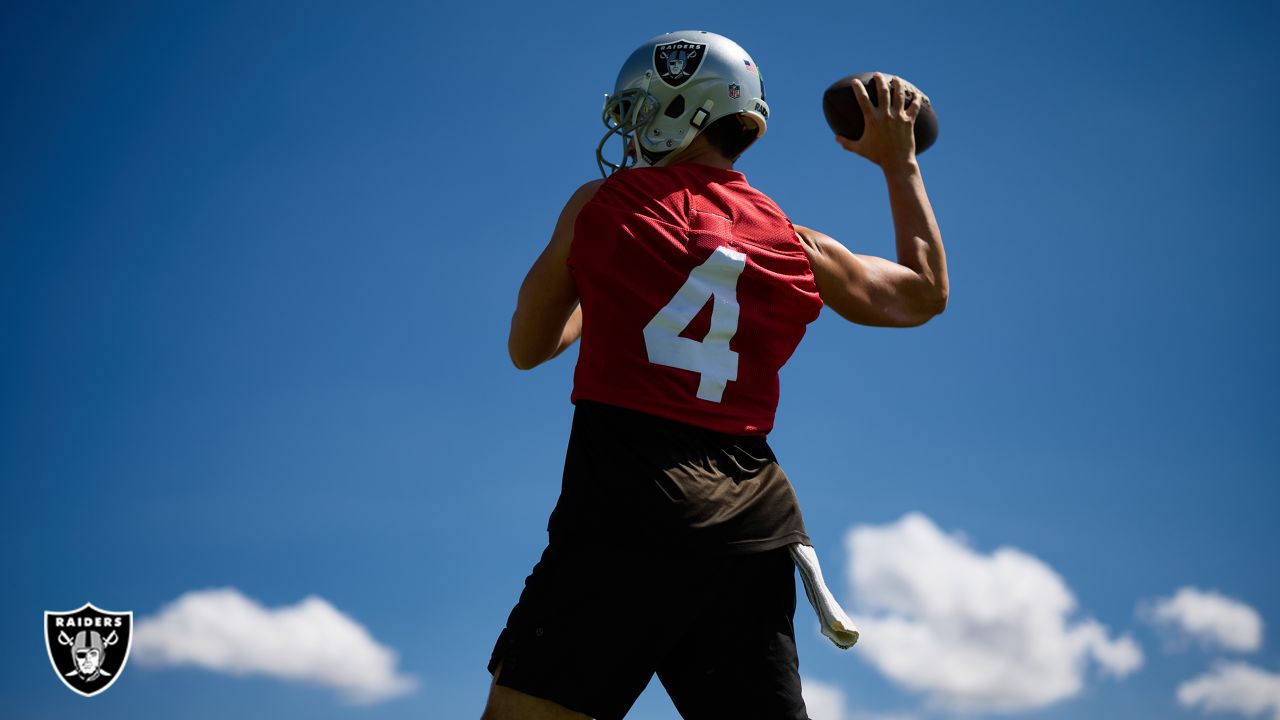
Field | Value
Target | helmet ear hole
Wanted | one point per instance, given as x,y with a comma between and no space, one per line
675,108
732,134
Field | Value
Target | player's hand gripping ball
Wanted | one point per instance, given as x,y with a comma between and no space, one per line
845,116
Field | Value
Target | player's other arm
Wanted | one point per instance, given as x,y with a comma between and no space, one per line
871,290
547,318
875,291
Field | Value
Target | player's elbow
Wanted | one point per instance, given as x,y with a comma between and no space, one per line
924,307
522,343
518,350
931,296
521,358
937,302
934,306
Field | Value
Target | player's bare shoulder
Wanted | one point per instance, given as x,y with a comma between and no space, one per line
584,194
562,237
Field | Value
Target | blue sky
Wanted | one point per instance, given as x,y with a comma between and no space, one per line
257,264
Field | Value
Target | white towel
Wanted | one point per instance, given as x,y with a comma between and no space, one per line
836,625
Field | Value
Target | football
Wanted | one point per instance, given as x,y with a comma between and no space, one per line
845,117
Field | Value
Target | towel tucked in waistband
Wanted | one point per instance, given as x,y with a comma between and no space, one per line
836,624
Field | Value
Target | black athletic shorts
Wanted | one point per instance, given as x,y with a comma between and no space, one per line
594,624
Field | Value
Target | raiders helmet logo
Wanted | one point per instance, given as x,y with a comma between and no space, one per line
676,62
88,647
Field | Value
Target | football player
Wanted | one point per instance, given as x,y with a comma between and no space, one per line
668,547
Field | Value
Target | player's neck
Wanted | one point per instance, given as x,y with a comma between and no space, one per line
703,155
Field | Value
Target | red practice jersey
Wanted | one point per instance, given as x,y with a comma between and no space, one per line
695,291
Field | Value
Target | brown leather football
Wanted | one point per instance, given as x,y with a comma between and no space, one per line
845,117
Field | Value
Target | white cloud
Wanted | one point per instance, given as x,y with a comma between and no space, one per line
976,632
224,631
823,701
1234,687
1210,617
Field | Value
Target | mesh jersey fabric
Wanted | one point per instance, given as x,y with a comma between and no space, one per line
637,243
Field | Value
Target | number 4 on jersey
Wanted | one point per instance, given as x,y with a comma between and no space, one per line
711,357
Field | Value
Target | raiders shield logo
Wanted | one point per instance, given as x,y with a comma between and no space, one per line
677,62
88,647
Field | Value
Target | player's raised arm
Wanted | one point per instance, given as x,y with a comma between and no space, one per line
547,318
875,291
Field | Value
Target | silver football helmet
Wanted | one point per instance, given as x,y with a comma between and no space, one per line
671,88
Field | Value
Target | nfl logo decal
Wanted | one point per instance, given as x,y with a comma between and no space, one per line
735,91
88,647
677,62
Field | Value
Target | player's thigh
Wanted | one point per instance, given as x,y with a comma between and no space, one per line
738,659
507,704
588,630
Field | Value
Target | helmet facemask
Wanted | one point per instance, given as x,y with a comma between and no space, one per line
624,114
